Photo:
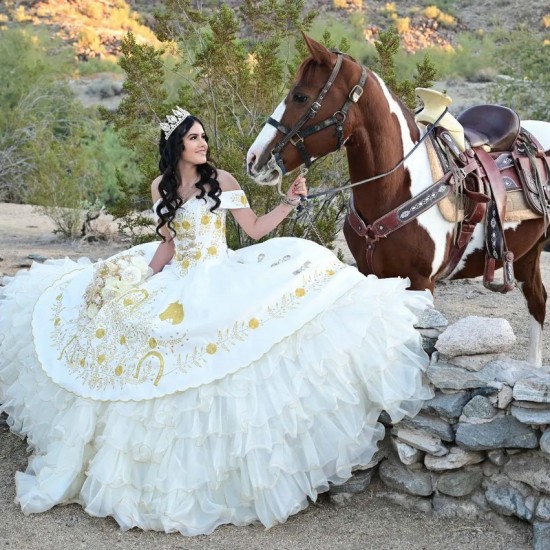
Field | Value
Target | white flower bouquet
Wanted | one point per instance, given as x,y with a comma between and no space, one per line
113,278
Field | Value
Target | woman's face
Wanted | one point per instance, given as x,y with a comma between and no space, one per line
195,146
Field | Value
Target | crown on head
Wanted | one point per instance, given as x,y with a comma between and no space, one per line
173,121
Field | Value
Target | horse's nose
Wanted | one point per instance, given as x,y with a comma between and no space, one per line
250,160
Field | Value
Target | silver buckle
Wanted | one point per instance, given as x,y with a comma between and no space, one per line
356,93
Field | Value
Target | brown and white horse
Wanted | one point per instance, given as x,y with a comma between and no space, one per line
378,132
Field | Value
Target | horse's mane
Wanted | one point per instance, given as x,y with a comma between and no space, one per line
308,68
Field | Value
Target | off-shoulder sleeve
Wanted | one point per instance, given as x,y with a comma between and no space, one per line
231,200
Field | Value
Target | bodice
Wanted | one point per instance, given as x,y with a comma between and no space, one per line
200,233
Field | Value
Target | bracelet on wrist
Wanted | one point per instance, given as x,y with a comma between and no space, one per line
291,202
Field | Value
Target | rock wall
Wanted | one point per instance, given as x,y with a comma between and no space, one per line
481,445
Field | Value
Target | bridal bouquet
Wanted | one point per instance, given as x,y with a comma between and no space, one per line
113,278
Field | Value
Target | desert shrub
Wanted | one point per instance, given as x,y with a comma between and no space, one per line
88,39
389,9
93,10
53,153
445,19
525,61
402,24
443,6
431,12
348,4
20,15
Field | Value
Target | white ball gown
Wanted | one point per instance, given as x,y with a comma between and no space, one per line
229,388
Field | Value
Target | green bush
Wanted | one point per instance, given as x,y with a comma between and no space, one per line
54,153
525,61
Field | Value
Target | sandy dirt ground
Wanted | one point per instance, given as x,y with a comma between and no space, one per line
367,521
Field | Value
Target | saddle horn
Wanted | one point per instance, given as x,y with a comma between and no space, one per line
435,104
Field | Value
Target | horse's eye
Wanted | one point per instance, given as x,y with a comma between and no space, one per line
299,98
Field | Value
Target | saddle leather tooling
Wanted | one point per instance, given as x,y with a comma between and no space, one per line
500,156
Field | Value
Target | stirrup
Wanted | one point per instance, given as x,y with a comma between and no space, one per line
509,280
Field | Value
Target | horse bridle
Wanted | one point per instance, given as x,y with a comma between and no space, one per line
296,135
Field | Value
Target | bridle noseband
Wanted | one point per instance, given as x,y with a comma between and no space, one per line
296,135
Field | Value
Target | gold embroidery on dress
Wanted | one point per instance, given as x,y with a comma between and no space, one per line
117,348
160,371
228,338
201,230
174,313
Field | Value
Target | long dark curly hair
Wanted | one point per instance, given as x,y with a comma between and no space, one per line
170,152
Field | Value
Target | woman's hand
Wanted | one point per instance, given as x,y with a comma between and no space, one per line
297,189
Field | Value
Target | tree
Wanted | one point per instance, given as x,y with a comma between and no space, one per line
233,69
387,46
52,150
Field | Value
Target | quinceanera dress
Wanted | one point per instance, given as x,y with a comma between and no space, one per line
228,388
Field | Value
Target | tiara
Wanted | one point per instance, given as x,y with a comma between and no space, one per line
173,121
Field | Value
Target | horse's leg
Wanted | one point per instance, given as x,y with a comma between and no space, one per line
527,271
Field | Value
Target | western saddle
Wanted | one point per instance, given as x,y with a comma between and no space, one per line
496,155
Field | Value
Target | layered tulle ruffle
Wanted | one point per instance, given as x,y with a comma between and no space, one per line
252,446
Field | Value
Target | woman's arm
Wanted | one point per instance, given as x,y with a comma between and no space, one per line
163,254
257,227
165,250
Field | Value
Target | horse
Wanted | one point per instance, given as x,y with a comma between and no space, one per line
390,162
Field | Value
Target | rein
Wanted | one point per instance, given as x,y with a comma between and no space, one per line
384,174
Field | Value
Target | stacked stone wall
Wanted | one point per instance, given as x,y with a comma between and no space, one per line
481,445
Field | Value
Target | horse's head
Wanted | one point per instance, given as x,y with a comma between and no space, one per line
314,118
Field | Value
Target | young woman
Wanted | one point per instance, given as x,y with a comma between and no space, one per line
226,387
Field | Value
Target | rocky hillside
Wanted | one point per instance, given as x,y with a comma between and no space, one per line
421,25
96,27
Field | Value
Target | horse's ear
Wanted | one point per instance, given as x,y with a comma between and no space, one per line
322,55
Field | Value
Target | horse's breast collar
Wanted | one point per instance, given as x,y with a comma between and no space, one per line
398,217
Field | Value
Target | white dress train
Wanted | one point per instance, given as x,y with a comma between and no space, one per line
229,388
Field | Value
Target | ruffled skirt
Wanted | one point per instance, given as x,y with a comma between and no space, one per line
251,446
